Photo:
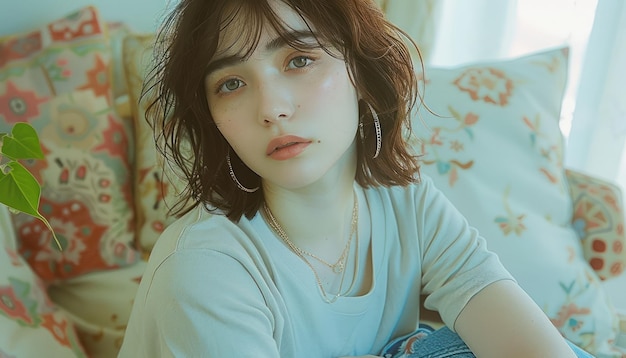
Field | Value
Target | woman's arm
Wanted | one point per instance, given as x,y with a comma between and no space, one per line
503,321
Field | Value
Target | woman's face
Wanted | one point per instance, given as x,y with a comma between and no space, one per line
290,115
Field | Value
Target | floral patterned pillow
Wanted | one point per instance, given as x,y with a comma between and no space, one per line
599,222
155,189
31,325
495,149
58,79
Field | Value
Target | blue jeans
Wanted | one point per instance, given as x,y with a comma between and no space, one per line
442,343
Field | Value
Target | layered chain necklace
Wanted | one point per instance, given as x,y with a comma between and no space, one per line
338,267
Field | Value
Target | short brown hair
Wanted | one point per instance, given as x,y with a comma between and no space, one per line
377,60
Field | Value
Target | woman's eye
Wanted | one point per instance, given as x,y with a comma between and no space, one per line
230,85
300,61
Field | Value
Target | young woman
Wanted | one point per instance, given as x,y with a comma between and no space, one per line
306,230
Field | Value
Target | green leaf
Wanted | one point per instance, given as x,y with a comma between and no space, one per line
21,191
23,143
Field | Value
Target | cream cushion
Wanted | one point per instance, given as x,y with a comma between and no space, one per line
495,149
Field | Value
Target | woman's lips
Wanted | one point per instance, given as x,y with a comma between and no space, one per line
286,147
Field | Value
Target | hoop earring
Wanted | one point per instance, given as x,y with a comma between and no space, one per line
234,178
379,137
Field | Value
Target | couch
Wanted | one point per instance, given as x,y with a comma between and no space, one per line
490,140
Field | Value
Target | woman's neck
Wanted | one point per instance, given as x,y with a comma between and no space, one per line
318,217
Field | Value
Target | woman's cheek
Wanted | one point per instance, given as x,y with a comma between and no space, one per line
323,86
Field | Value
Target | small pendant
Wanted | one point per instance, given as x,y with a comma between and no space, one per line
338,268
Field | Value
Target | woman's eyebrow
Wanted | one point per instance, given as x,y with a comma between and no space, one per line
300,37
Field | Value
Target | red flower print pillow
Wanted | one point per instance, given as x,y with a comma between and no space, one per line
58,79
31,325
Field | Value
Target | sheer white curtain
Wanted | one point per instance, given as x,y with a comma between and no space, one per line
469,31
596,142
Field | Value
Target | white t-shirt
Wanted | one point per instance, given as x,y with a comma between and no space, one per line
214,288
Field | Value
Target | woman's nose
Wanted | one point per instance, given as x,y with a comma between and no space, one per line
275,102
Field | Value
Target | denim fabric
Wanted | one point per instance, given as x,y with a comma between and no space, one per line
442,343
426,342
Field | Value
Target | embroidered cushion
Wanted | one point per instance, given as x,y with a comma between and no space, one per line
599,222
31,325
58,79
155,186
495,149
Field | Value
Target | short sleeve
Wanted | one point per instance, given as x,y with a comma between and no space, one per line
206,303
456,263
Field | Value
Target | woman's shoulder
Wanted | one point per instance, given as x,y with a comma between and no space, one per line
418,191
204,258
203,230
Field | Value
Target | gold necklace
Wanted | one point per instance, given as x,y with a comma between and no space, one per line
339,265
342,259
